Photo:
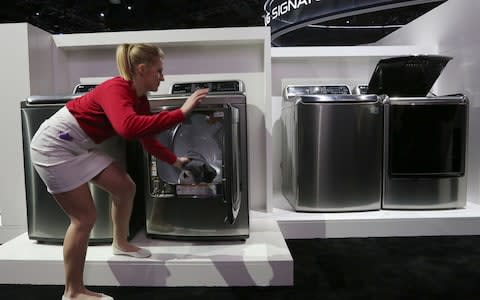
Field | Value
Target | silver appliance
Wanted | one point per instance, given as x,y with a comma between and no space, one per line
182,206
425,152
319,89
331,151
425,137
83,88
361,89
46,221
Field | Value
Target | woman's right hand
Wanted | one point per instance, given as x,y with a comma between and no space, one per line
181,162
193,100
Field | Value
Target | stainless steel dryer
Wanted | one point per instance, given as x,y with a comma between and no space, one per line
331,150
425,137
46,221
425,152
215,206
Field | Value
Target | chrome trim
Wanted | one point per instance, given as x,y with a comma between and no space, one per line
36,100
76,87
241,86
157,102
457,99
287,95
338,98
357,90
233,175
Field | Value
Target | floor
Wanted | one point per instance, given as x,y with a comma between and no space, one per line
441,262
445,267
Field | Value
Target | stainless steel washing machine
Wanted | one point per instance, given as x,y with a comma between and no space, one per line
46,221
331,150
179,206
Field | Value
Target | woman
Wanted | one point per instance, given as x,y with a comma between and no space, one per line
64,154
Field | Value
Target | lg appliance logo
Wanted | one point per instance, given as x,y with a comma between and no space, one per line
271,13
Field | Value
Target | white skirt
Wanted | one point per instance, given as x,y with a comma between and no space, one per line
63,155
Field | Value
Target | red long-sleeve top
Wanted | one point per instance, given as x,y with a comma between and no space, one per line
113,108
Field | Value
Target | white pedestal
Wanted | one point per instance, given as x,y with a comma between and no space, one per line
380,223
262,260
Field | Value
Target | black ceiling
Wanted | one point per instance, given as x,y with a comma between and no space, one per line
83,16
80,16
356,29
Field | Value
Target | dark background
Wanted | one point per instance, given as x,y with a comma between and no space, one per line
84,16
81,16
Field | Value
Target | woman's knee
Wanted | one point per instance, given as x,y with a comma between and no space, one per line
128,188
116,181
125,190
86,221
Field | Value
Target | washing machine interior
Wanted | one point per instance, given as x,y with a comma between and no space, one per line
208,198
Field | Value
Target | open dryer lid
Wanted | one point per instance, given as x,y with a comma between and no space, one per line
407,76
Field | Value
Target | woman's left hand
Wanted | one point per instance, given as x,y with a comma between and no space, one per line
192,101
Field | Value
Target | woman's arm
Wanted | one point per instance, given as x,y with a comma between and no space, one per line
152,146
131,117
155,148
130,124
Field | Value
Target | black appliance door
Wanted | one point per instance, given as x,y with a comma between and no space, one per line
427,139
232,164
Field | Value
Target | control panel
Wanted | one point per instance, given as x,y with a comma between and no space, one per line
213,87
317,90
83,88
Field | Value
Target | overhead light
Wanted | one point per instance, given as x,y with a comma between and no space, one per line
102,15
129,7
115,1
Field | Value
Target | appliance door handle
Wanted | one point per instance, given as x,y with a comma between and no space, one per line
232,197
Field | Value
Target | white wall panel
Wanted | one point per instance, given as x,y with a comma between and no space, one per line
453,27
100,62
40,45
15,87
349,70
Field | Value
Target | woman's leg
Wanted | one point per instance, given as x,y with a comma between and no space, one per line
116,181
78,205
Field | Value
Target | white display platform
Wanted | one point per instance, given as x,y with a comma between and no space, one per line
309,52
262,260
380,223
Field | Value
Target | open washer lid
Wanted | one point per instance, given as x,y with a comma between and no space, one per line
407,76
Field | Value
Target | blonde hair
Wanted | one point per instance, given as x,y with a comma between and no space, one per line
130,55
